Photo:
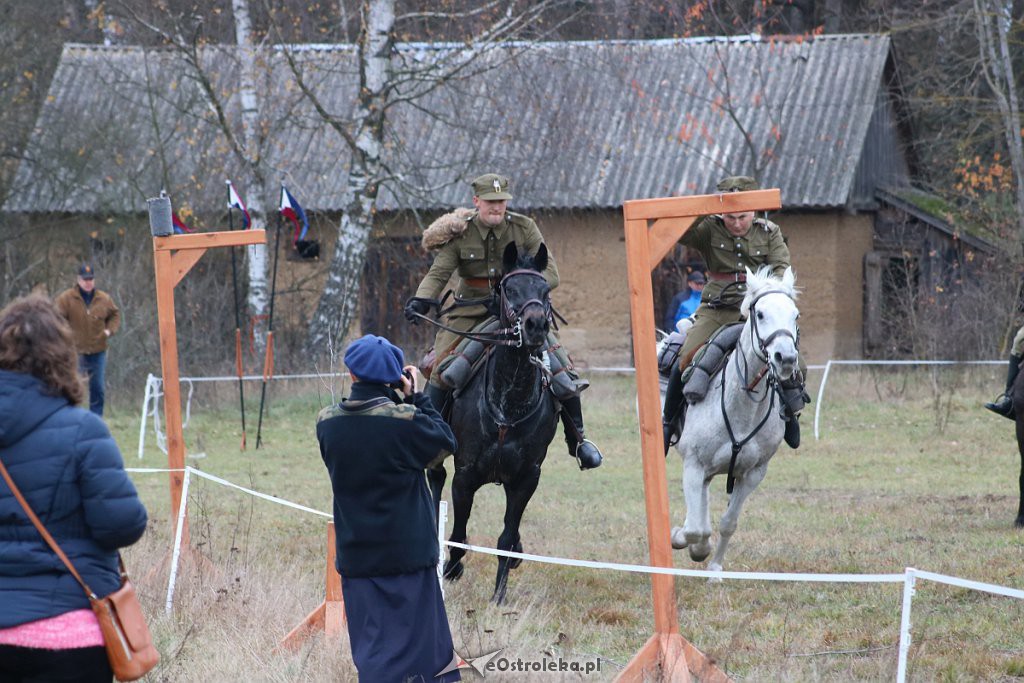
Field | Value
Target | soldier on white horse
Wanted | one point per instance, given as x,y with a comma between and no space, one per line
730,244
740,423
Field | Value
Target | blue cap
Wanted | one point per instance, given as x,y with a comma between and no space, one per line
375,359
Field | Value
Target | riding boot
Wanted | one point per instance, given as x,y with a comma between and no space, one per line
794,398
584,450
438,396
1004,404
670,422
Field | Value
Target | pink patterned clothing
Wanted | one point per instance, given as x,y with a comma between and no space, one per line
67,631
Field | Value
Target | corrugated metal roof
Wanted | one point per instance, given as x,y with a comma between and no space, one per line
576,124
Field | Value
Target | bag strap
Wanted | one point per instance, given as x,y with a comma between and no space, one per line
46,534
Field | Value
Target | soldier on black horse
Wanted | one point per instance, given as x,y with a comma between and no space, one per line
471,242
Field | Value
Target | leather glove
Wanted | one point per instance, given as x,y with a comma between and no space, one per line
414,306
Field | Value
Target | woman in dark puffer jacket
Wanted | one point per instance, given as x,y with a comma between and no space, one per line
69,469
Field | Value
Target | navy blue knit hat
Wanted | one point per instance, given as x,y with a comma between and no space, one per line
375,359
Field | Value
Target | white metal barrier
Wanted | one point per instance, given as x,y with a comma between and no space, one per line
829,364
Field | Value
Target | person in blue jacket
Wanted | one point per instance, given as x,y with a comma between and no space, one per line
68,467
376,446
686,302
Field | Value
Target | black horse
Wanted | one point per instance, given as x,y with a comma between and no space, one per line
1018,418
505,417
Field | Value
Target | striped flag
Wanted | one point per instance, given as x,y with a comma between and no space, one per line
235,202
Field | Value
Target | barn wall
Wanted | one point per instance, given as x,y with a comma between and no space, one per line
827,252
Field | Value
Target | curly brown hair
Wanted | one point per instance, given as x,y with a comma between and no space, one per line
36,340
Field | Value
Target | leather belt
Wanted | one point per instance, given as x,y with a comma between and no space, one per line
727,277
477,282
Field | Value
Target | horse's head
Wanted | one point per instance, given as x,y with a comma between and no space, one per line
770,306
524,297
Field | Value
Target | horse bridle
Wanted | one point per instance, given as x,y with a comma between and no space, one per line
761,346
509,335
513,316
761,343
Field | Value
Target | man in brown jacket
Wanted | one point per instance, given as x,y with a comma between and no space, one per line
94,318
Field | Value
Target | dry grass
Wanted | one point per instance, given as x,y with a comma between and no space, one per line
900,478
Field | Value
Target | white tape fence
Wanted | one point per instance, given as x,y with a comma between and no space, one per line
908,578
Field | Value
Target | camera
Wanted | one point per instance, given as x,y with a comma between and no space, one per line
408,375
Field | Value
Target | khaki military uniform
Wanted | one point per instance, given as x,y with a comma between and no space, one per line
476,254
1018,343
728,255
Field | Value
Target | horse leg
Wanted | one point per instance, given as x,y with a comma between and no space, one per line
436,476
464,488
1019,419
516,498
696,530
743,487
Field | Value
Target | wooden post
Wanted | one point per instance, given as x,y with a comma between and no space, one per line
653,227
330,615
173,257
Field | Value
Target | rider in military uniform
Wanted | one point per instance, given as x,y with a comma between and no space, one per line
471,243
730,243
1004,404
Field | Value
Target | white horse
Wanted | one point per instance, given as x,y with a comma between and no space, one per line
738,426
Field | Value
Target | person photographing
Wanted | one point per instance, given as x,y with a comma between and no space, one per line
376,445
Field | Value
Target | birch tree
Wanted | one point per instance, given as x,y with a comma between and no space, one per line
385,81
185,35
249,152
994,21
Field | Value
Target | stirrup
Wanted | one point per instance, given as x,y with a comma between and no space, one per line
579,461
670,436
1002,406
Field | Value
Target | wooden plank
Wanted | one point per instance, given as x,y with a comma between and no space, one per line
165,280
649,399
207,240
182,262
702,666
334,617
664,234
702,204
313,622
674,666
644,663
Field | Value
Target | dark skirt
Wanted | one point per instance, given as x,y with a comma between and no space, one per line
398,628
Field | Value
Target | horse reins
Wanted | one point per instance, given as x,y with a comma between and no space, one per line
512,334
761,347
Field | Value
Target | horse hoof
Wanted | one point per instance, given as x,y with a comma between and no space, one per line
714,568
699,553
454,573
678,538
1019,522
514,562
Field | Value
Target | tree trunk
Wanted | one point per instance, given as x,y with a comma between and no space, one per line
994,22
255,181
339,302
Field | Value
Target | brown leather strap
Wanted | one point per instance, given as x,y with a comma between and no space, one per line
43,532
730,277
478,282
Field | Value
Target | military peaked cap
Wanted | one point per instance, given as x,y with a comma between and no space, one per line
491,186
737,183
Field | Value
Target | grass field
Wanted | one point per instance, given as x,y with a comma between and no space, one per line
910,471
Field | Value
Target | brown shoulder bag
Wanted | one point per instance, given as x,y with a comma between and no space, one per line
129,645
